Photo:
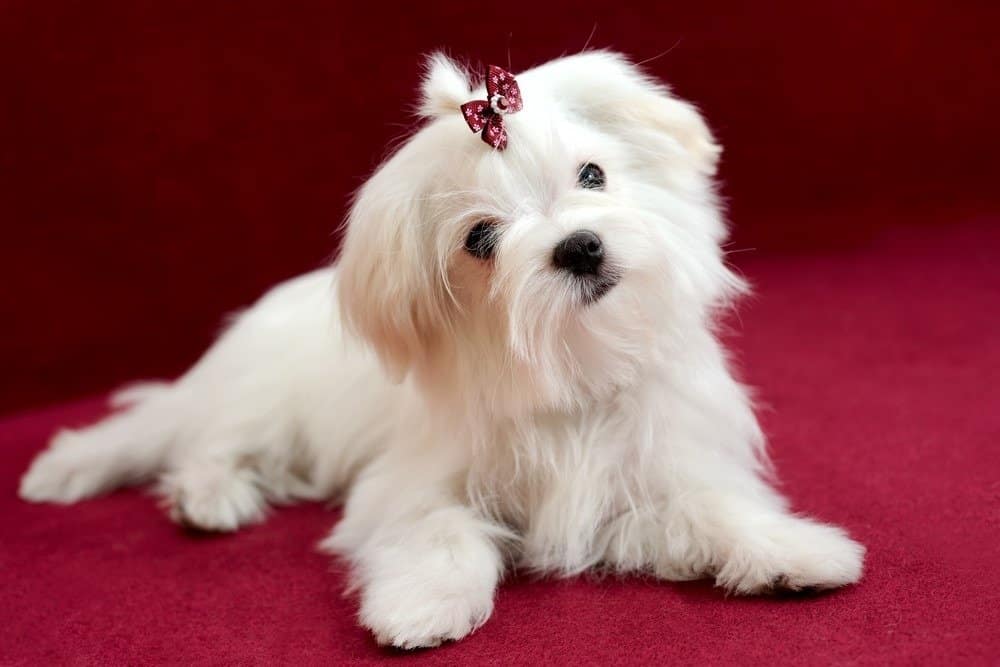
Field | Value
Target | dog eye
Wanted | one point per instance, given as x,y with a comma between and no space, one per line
590,177
482,239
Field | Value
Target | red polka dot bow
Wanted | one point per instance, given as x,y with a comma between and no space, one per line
502,97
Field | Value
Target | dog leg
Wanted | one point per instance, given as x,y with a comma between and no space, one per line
740,532
125,448
782,551
213,494
426,565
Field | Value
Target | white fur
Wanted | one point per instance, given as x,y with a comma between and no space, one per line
509,420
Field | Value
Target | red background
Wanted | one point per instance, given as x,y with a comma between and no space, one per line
162,163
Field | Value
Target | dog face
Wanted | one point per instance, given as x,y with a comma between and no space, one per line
546,275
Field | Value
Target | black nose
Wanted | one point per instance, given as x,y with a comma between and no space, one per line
580,252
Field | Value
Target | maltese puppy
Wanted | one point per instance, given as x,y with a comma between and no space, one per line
512,364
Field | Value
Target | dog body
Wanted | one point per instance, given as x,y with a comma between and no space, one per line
513,362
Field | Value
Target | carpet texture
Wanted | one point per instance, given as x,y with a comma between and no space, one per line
878,367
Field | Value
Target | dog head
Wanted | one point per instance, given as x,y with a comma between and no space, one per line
546,275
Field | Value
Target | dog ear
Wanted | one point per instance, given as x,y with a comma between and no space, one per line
445,86
390,285
605,88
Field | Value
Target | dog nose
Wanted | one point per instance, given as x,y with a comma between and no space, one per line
580,252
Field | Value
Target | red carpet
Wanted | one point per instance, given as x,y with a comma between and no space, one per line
879,368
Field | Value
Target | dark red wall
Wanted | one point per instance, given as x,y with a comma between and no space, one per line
162,163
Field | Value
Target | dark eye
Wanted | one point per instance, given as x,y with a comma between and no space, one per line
590,177
482,239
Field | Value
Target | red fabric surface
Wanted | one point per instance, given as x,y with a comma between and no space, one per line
878,367
164,162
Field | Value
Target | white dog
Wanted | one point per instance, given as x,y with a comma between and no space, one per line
512,364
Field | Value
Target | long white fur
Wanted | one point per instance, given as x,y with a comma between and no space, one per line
479,414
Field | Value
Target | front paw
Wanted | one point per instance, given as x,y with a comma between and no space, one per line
422,594
791,554
411,612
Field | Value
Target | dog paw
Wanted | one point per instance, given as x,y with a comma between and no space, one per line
423,592
409,615
66,472
213,496
793,554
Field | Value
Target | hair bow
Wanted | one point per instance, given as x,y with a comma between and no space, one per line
503,96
